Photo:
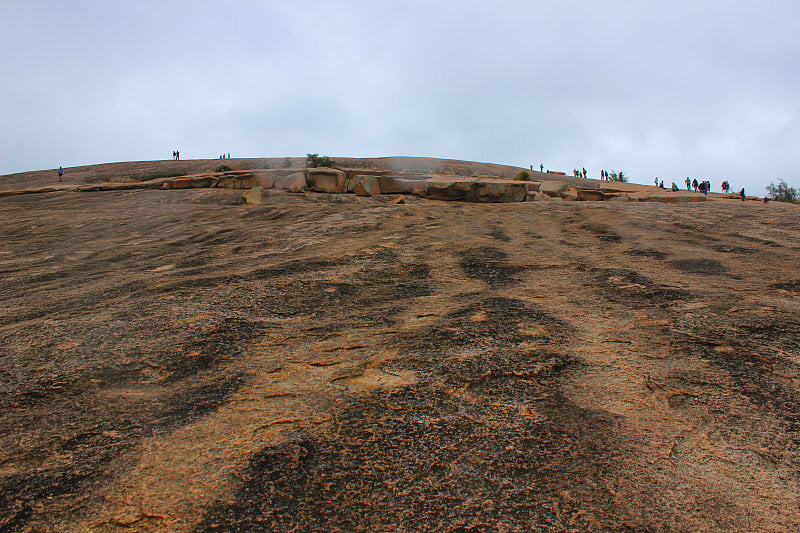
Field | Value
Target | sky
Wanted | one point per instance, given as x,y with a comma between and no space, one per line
707,89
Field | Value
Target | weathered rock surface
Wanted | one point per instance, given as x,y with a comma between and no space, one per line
175,362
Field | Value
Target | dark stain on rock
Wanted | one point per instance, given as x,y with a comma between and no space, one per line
647,252
489,265
706,267
602,231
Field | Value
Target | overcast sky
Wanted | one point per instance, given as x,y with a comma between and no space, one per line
708,89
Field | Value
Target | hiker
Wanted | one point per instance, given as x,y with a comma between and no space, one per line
674,187
688,184
695,184
661,185
656,181
60,173
741,193
177,155
584,172
541,167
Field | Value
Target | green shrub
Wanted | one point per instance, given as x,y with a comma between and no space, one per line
223,168
314,161
617,176
523,175
782,192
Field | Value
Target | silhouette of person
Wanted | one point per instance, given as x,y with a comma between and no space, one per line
741,193
60,173
541,167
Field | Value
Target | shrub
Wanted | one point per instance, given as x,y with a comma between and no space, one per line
617,176
222,168
523,175
782,192
314,160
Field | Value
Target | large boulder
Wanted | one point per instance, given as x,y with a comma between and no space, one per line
570,194
367,186
293,182
237,180
266,181
553,188
326,180
395,185
177,183
590,195
476,190
252,196
448,189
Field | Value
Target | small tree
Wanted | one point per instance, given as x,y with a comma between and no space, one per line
617,176
782,192
523,175
314,161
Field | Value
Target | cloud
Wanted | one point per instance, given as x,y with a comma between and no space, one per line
684,88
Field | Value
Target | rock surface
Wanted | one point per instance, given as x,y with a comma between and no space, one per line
176,362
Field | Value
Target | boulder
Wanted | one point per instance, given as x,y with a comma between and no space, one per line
237,180
266,181
252,196
420,188
590,195
367,186
293,182
177,183
498,191
533,186
395,185
570,194
618,198
204,182
540,197
326,180
553,188
448,189
398,201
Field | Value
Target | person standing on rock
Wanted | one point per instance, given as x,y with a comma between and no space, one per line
688,184
60,173
695,184
541,167
741,193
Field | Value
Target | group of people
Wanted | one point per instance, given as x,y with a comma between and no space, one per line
579,173
223,156
176,155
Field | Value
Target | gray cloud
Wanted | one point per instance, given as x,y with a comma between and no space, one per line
706,89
